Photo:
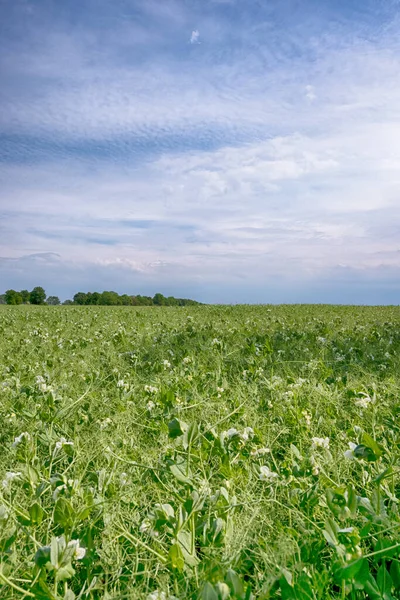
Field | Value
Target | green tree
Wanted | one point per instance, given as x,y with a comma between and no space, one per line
2,299
25,296
125,300
159,300
53,300
109,298
93,298
13,297
37,295
80,298
68,302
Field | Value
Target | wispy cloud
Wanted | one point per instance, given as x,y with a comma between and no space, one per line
194,38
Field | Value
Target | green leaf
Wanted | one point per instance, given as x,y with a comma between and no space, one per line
365,452
176,559
330,532
350,571
36,513
208,592
42,556
371,443
64,513
372,589
351,500
190,435
65,573
23,518
395,574
54,552
234,582
186,542
179,472
176,428
84,513
384,582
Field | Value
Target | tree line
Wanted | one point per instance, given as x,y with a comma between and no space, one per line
106,298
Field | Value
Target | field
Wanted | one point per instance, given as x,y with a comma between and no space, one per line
210,452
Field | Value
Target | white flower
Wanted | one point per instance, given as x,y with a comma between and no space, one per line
248,433
350,453
40,379
260,452
10,476
187,360
150,389
123,479
79,552
363,402
61,443
266,473
105,423
215,342
157,596
315,466
150,405
121,383
167,364
318,442
145,526
220,390
307,417
20,438
45,388
232,432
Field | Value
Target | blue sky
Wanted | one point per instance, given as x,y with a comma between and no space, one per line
227,150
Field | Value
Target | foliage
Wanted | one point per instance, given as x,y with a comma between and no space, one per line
114,299
37,295
13,297
200,453
53,300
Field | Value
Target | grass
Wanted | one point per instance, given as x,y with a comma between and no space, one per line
210,452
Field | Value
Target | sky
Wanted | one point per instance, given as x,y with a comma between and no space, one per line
230,151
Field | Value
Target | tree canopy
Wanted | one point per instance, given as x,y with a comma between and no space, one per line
106,298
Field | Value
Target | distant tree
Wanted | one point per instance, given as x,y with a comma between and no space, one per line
94,298
53,300
125,300
68,302
13,297
80,298
2,299
143,300
37,295
25,296
159,300
109,298
171,301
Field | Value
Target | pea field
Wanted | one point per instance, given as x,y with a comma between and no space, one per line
213,453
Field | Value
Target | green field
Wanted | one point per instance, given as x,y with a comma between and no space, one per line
212,452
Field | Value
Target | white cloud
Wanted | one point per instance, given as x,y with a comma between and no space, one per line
194,38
